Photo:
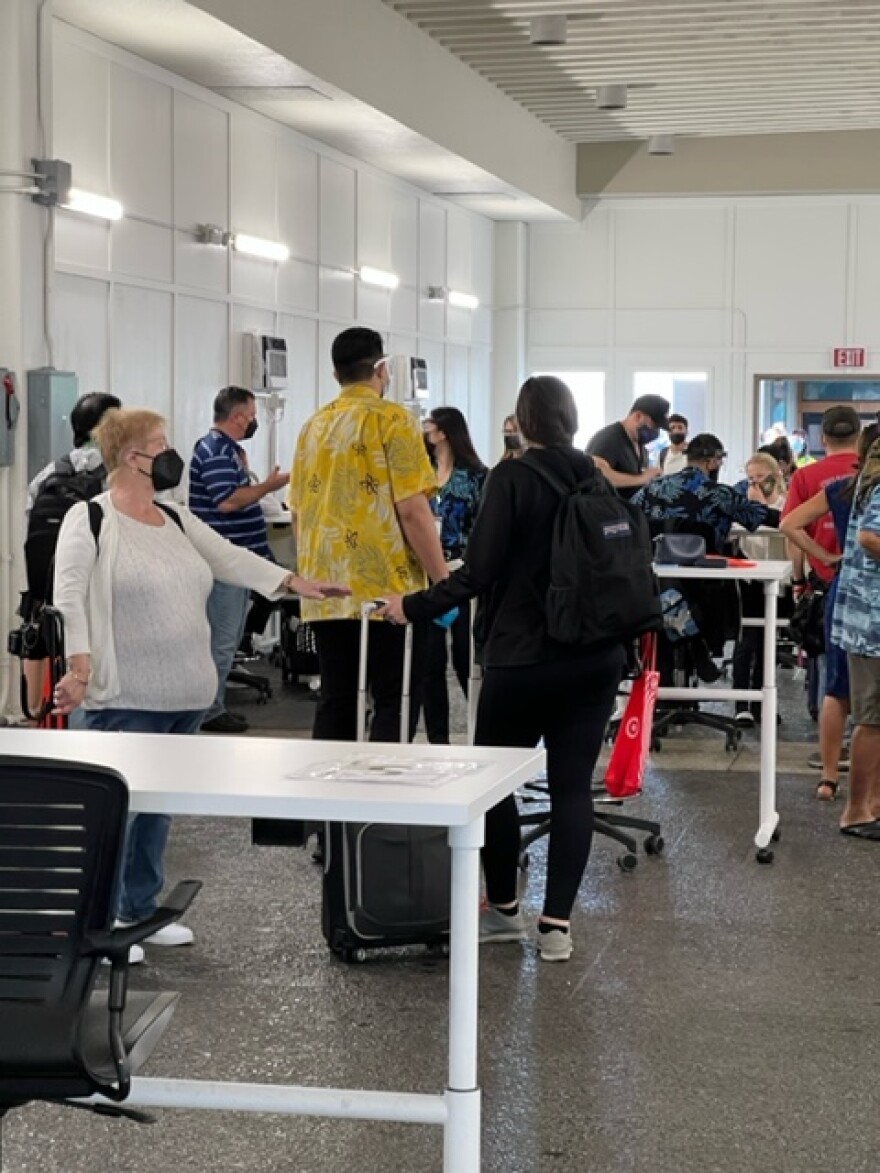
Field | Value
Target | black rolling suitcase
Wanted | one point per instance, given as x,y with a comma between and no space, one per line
297,648
384,885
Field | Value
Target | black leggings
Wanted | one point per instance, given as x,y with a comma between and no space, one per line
568,703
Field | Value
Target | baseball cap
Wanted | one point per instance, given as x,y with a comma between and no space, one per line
841,422
656,407
705,446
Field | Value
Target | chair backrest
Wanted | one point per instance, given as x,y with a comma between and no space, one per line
62,829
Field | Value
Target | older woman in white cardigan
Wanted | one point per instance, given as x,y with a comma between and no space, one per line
132,583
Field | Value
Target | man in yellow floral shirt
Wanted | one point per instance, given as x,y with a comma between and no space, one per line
359,490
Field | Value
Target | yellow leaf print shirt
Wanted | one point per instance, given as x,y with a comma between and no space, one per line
355,459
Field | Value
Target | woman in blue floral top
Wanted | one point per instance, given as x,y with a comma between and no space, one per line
461,476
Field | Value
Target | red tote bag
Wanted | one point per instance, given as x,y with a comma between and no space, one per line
626,767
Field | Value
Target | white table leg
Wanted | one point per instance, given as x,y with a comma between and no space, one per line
768,815
461,1140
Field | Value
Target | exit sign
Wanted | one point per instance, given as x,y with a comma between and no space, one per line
849,356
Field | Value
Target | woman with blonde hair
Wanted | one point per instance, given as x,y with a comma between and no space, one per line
132,579
765,484
513,445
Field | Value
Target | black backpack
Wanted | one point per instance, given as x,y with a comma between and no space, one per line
61,489
602,584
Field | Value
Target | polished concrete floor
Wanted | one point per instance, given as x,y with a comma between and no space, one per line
716,1017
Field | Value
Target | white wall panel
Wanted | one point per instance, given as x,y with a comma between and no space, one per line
458,374
432,245
252,203
200,266
691,329
82,241
81,114
201,163
142,250
404,309
298,200
336,294
459,324
791,273
253,278
404,212
479,415
328,388
568,263
483,259
374,212
301,394
582,328
337,214
298,284
202,360
866,315
141,347
81,330
140,144
669,258
459,251
373,306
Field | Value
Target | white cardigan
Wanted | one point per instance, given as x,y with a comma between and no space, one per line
84,582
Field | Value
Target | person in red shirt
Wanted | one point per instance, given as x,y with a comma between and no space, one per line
840,439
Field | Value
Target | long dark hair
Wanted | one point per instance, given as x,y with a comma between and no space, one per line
867,439
453,425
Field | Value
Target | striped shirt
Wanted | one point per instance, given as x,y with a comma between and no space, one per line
219,467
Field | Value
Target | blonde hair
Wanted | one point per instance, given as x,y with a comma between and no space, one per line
122,429
770,463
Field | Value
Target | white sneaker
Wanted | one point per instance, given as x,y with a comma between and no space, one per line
496,928
135,956
555,945
173,934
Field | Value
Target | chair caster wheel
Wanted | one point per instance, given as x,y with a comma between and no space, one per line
353,956
654,845
627,862
764,855
777,835
731,745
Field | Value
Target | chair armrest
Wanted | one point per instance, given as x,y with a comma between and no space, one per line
115,943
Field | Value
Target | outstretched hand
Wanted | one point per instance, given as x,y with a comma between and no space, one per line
308,589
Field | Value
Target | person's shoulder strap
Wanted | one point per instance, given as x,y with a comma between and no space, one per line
173,514
96,520
555,482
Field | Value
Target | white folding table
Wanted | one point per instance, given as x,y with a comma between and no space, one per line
242,777
772,575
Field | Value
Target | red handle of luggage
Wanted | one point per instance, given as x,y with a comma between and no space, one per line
626,767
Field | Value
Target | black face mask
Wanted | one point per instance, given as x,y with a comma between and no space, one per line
166,471
512,441
676,438
250,430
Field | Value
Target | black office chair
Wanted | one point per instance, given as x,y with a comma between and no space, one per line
717,611
62,831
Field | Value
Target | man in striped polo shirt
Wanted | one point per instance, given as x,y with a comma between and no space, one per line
222,494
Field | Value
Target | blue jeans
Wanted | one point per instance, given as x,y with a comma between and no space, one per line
142,875
227,610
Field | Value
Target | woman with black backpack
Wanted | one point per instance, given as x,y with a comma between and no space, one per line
533,686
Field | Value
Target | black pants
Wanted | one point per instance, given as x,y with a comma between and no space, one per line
568,703
748,654
436,694
338,643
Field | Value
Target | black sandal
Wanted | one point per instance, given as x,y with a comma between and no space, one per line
827,784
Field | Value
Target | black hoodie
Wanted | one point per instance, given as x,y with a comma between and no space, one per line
507,562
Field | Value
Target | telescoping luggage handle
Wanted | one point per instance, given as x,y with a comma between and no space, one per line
367,609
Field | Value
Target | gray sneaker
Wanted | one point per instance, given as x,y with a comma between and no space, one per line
814,761
496,928
555,945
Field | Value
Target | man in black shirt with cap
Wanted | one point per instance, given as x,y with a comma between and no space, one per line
621,448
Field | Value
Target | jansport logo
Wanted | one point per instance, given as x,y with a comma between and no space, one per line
616,529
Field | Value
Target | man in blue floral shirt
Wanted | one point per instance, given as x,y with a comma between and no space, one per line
695,496
856,628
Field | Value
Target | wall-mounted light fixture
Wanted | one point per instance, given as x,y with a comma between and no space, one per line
380,277
254,246
464,301
661,144
212,234
90,204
